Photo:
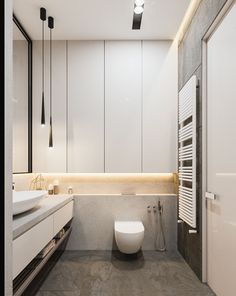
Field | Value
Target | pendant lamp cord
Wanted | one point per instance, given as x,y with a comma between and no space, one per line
50,73
43,56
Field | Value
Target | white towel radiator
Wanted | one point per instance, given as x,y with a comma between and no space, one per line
187,152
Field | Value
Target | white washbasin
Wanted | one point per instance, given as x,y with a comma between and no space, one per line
26,200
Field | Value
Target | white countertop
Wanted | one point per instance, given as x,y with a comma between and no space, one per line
47,206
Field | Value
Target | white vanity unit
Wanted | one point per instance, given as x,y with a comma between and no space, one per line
33,230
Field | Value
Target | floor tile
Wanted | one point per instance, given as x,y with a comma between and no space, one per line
105,273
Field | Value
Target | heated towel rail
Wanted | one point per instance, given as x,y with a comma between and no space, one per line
187,152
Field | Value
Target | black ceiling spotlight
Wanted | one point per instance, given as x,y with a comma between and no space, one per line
138,12
50,26
43,18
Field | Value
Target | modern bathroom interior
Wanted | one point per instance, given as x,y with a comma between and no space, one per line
120,148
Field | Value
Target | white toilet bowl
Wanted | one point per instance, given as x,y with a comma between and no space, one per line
129,236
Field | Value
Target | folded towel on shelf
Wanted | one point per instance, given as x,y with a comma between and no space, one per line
47,249
60,234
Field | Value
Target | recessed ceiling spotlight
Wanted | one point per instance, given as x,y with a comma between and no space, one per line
138,10
139,2
138,13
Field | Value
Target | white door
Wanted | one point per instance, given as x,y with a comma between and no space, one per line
221,157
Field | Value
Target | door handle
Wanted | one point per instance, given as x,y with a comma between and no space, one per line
210,195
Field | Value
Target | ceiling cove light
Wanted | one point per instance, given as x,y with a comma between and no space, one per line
50,26
43,19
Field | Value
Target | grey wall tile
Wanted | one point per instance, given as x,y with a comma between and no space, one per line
190,48
93,224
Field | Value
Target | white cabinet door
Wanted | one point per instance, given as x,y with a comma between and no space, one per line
62,216
123,89
159,106
45,159
29,244
86,106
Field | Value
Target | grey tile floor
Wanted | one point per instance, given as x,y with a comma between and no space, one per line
102,273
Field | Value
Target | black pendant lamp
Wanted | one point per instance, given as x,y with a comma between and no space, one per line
50,26
43,19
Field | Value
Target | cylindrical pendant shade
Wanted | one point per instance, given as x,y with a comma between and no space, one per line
43,111
50,134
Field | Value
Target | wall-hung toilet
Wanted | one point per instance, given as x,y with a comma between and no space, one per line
129,236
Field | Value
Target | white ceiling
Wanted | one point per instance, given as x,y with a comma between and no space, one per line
102,19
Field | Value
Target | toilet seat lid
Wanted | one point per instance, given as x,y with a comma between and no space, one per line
129,226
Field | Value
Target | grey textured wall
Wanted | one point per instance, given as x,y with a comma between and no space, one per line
93,223
190,63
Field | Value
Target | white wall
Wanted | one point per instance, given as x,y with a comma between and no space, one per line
8,148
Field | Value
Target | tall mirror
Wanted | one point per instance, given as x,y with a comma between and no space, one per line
22,99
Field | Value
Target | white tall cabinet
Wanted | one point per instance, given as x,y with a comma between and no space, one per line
123,102
86,106
114,107
44,159
160,93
